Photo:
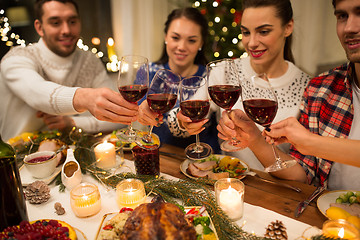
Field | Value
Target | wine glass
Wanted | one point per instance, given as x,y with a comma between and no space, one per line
260,104
133,82
224,89
194,103
161,98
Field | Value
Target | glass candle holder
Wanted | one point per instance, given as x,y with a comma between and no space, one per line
340,228
130,193
229,193
105,155
146,161
85,200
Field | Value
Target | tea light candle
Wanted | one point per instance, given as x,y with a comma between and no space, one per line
230,197
341,229
231,203
105,155
130,193
85,200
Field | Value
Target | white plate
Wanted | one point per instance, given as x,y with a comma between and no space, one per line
108,216
27,178
184,166
323,202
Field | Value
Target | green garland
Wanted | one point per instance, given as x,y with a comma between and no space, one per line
190,192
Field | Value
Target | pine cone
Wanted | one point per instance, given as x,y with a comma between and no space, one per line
37,192
276,230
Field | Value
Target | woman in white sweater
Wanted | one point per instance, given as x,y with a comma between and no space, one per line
267,28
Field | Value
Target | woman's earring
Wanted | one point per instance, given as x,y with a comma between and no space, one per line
165,42
200,49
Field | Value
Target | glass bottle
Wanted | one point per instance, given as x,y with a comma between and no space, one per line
12,200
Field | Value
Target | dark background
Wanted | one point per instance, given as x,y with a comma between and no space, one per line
95,17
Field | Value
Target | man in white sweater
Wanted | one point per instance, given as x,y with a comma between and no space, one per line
52,84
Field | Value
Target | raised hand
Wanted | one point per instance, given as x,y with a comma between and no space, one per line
289,131
191,127
105,104
148,117
238,125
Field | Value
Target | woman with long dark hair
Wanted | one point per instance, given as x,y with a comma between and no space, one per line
267,27
186,31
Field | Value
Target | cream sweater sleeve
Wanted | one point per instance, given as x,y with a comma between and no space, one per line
21,76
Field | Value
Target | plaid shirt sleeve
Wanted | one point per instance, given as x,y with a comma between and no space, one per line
326,110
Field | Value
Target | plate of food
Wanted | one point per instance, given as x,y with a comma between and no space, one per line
127,146
194,221
347,200
59,229
215,167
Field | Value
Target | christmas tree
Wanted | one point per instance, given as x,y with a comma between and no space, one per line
224,27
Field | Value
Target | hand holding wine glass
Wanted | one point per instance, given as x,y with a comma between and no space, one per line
133,82
224,89
161,98
260,104
194,103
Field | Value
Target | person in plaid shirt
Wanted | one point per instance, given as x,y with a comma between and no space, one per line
331,109
326,144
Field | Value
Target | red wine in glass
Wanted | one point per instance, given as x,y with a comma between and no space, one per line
261,111
133,93
195,109
195,104
161,102
225,96
132,82
161,98
260,104
224,90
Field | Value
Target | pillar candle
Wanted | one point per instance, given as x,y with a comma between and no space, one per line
105,155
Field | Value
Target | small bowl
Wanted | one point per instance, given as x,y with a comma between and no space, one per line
43,168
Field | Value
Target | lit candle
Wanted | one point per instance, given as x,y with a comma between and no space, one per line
105,155
85,200
111,48
341,229
130,193
231,202
230,197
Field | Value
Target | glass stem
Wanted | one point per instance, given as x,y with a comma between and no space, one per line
198,148
131,131
276,155
233,140
150,131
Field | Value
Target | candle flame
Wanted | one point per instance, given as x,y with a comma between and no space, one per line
110,42
341,233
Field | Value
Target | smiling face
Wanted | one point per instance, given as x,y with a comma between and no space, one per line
263,35
183,42
347,13
59,27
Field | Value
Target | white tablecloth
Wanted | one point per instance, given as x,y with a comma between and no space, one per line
255,218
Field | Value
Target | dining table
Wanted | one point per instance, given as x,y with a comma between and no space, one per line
264,201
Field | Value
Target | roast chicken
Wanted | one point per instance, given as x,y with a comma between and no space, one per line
158,221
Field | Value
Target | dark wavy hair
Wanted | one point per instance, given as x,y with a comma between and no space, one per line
284,11
194,15
38,8
334,3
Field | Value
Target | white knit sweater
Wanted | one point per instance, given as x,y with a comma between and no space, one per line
33,78
289,89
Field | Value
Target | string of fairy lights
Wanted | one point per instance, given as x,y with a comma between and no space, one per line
223,21
112,62
10,38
